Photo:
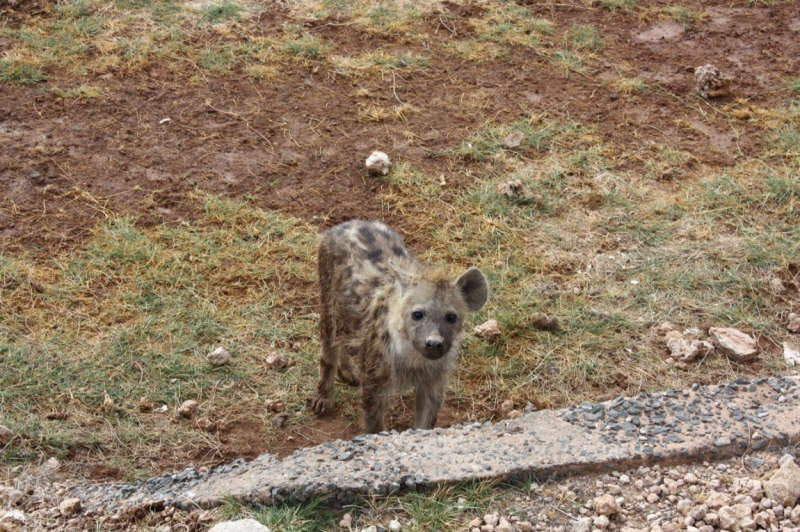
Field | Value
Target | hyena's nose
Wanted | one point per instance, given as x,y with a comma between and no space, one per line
434,344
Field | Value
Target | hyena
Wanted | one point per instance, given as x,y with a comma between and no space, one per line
387,321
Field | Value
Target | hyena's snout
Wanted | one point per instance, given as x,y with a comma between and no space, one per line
435,345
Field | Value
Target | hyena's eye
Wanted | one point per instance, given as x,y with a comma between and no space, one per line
417,315
451,318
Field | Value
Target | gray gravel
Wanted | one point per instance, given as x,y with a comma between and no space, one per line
701,423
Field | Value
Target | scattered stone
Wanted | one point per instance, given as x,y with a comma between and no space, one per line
606,505
666,327
583,524
683,351
242,525
205,424
791,354
188,409
6,435
776,283
784,486
794,323
370,528
525,526
601,522
12,517
540,320
275,405
514,140
717,500
69,507
711,83
219,356
276,360
489,330
734,343
684,506
378,163
507,406
395,526
52,464
278,420
736,518
515,190
10,496
347,521
491,519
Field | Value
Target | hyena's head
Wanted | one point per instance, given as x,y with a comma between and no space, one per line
433,307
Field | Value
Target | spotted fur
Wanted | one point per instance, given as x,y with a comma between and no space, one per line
387,321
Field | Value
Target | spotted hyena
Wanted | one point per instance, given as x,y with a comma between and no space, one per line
387,321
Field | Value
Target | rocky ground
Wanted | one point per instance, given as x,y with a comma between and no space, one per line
732,495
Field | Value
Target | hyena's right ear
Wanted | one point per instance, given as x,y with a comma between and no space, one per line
474,289
400,274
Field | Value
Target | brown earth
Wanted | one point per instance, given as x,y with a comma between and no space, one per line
296,145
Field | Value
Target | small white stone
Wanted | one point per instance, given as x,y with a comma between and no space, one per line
378,163
68,507
219,356
489,330
394,525
188,409
491,519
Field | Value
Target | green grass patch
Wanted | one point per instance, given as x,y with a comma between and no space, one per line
684,16
306,47
84,91
132,316
215,14
613,5
584,37
538,134
20,72
794,85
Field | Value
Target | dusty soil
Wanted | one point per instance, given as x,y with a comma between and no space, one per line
295,144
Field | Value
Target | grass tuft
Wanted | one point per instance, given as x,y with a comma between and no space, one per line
584,37
19,72
214,14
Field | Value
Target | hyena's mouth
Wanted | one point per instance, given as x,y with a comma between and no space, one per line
433,354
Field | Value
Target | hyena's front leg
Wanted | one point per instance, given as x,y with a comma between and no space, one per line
427,402
375,396
323,400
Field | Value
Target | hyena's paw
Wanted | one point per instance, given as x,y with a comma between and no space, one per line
322,403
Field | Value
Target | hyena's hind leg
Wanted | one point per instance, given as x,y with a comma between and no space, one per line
323,400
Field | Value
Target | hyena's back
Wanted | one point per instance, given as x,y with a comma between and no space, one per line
353,263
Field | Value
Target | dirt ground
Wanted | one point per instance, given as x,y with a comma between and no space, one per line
296,144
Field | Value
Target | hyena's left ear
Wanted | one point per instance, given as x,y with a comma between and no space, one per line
474,289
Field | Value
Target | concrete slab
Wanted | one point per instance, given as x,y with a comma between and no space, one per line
702,423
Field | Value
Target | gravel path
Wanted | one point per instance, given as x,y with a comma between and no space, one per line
702,423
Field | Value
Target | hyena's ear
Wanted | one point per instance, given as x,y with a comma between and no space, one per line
399,273
474,289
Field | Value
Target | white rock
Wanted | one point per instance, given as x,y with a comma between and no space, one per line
347,521
52,463
370,528
684,506
683,351
515,190
736,518
6,435
188,409
378,163
491,519
606,505
277,360
711,82
791,354
794,515
514,140
489,330
601,522
10,496
395,526
776,283
734,343
14,517
242,525
784,486
717,500
794,323
219,356
69,507
583,524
